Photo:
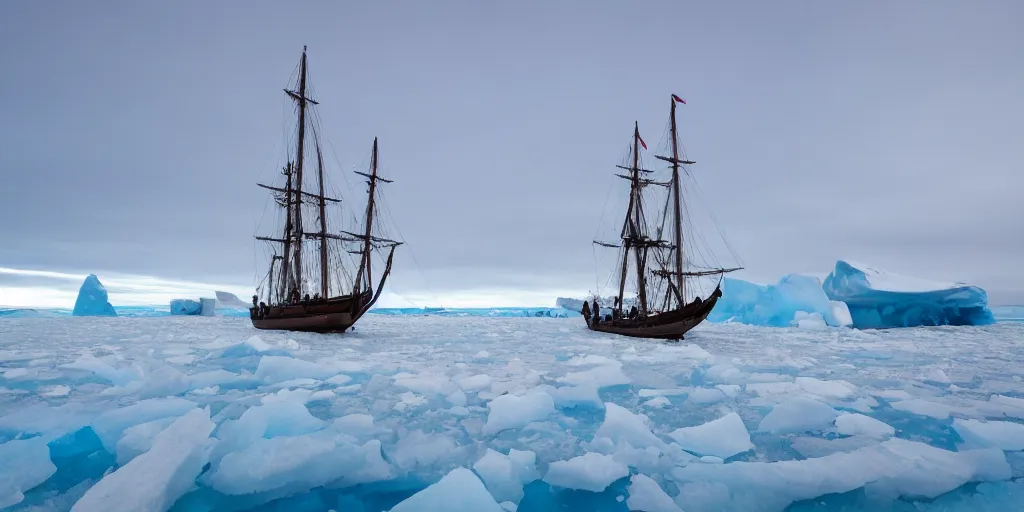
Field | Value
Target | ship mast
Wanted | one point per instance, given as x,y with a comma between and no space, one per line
364,263
300,98
323,223
678,240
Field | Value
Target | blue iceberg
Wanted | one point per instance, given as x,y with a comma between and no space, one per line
880,299
185,307
203,307
92,299
796,300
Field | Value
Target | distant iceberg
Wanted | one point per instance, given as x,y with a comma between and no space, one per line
92,299
203,307
882,299
779,305
230,300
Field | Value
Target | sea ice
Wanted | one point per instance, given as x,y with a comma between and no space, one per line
92,299
1005,435
459,491
157,478
591,471
622,426
880,299
26,464
646,495
861,425
513,411
505,475
798,414
722,437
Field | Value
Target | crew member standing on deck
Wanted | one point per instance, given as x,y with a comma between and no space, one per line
586,311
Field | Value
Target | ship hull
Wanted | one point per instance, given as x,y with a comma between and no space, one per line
336,314
670,325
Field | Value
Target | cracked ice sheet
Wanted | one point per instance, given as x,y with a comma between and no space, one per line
424,388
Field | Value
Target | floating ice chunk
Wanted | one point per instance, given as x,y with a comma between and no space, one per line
409,400
92,299
138,439
820,447
217,378
422,450
600,376
26,464
924,408
284,418
163,381
881,299
723,437
58,390
663,392
591,471
475,383
273,369
459,491
286,465
861,425
339,380
798,414
458,398
826,388
89,363
706,396
513,411
658,401
109,425
354,424
1005,435
505,475
426,383
157,478
622,426
646,495
895,467
937,375
567,397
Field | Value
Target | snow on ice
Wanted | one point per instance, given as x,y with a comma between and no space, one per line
506,414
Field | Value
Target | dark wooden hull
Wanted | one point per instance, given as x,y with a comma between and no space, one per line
336,314
670,325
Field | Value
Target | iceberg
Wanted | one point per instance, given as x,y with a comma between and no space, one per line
229,301
92,299
185,307
778,305
880,299
204,307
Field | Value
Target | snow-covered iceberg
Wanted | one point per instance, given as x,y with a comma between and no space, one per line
92,299
230,301
881,299
779,304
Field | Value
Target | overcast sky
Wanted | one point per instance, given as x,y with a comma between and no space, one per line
132,133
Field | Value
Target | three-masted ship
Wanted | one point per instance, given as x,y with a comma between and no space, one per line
310,285
663,275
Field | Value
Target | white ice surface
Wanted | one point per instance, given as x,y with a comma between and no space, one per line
376,415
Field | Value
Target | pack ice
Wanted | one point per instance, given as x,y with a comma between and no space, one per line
505,414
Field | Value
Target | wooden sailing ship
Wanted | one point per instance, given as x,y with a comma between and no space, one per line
309,285
663,273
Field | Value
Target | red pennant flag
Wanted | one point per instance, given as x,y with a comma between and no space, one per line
642,143
680,100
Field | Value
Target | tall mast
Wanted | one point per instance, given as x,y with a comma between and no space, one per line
641,282
364,265
681,280
301,98
323,224
285,272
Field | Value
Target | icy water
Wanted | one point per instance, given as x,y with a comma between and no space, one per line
197,413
